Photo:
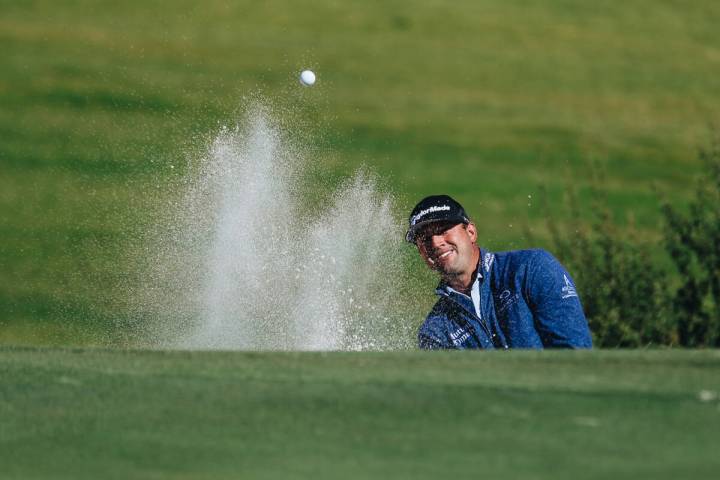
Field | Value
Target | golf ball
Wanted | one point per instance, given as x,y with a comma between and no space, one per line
307,77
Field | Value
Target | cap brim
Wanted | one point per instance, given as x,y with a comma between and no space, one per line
412,231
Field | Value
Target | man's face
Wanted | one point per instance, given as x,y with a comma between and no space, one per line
448,248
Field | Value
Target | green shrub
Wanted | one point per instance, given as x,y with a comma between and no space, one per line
631,300
624,293
692,240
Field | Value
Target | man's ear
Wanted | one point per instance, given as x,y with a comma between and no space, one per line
472,231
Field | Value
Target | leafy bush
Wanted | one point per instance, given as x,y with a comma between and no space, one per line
624,294
629,299
692,240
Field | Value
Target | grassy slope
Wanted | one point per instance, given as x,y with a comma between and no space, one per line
115,414
485,100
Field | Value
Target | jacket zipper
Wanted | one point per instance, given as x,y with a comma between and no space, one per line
485,326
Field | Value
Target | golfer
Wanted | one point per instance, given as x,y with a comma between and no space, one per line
517,299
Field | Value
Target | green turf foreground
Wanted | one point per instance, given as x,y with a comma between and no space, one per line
131,414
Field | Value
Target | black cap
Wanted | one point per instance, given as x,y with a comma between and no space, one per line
435,208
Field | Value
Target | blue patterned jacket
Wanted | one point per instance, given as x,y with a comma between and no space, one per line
526,299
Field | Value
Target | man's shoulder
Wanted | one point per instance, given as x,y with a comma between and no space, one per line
438,315
515,258
434,328
520,255
439,311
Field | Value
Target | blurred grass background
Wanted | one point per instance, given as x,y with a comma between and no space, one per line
105,104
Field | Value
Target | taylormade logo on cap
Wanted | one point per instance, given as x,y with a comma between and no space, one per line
435,208
422,213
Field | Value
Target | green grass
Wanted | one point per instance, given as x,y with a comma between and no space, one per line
483,100
78,413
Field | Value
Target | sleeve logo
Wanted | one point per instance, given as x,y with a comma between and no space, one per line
569,289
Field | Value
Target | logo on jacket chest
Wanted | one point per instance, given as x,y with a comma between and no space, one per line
506,300
459,336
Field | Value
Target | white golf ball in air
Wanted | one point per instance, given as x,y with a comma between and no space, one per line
307,77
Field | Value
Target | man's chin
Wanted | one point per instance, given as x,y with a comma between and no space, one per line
447,271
